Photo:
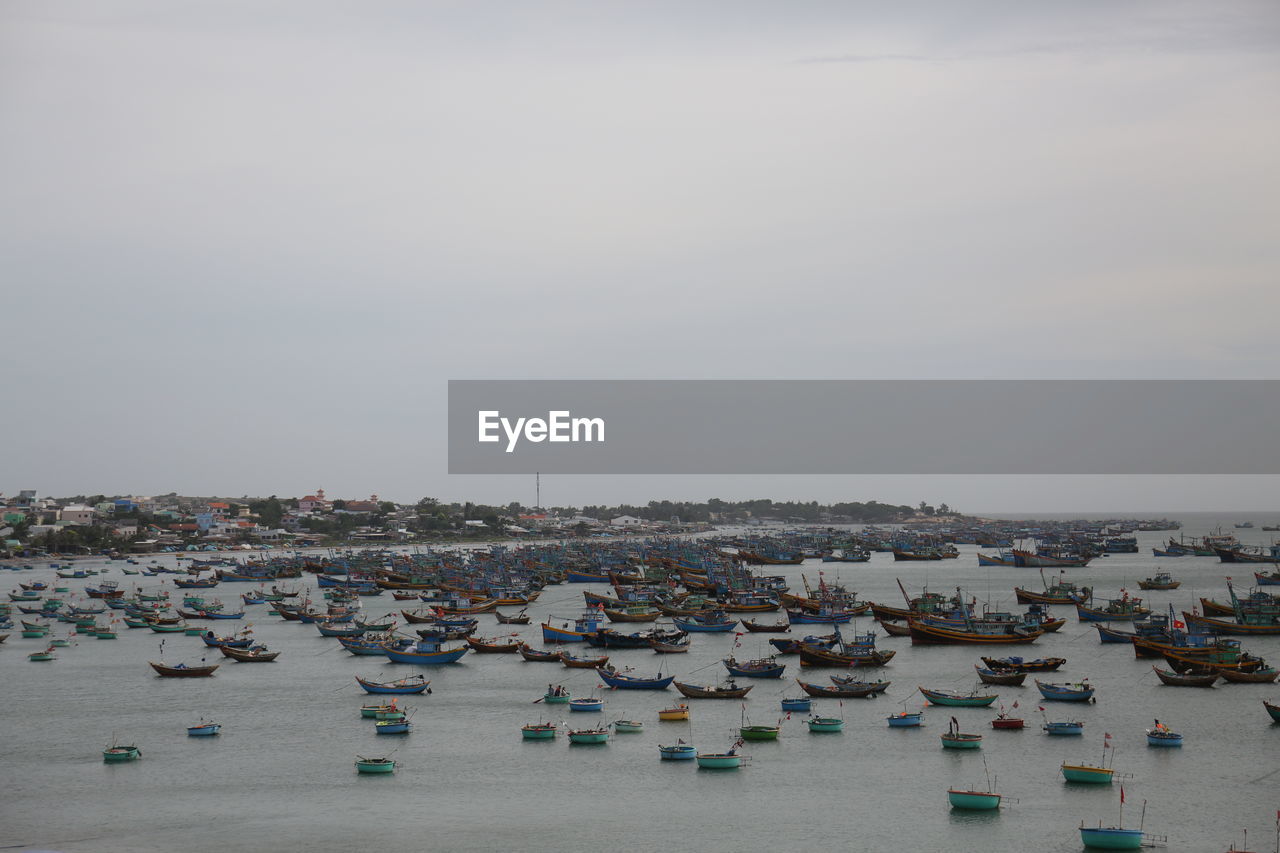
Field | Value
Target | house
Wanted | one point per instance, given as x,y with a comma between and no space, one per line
77,514
626,521
314,503
126,529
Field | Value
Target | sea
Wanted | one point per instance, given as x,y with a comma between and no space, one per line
281,776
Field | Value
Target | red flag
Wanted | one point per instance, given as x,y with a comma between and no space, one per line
1122,795
1181,626
1041,707
1015,704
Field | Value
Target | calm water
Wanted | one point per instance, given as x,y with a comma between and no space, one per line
281,776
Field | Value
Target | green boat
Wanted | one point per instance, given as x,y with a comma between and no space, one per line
720,760
375,765
539,731
974,800
371,711
589,735
389,712
60,643
41,657
629,726
114,754
554,698
1111,838
759,732
826,724
179,628
105,634
34,635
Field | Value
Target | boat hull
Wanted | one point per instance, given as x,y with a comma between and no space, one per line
1111,838
975,800
1087,775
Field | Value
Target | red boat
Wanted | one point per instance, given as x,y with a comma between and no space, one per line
1004,721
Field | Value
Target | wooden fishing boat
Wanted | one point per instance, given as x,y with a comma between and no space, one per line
728,690
765,627
582,627
429,652
1254,624
254,654
679,752
1189,679
1262,675
762,668
628,726
959,700
539,731
926,633
674,714
402,686
1122,609
1007,678
1067,728
1273,708
1161,580
1080,691
520,618
639,613
537,655
844,688
576,662
750,732
203,729
598,735
375,765
973,800
853,655
494,645
586,704
714,622
730,760
116,754
181,670
623,681
894,628
670,647
371,711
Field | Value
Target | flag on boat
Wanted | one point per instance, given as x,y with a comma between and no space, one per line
1122,795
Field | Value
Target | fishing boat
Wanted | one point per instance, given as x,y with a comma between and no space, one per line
1020,665
1111,837
1004,721
1080,691
539,731
182,670
798,703
705,622
116,754
203,729
375,765
973,800
537,655
628,726
253,654
589,704
582,627
1187,679
761,668
906,720
401,686
731,760
1087,774
1066,728
555,695
623,681
424,651
825,724
1122,609
494,645
765,627
956,739
670,647
681,751
42,657
674,714
1161,735
371,711
1262,675
924,632
961,700
1160,580
1061,591
597,735
845,688
401,726
583,662
520,618
1273,708
752,732
1007,677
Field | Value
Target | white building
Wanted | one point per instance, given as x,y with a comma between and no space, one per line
76,514
626,521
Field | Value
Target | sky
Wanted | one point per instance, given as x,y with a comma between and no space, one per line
246,244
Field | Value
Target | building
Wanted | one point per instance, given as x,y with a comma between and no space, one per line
77,514
626,521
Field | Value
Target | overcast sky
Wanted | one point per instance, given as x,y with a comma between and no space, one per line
245,244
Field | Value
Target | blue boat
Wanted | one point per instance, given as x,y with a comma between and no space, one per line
1066,727
1107,634
906,720
589,705
364,645
1111,837
424,651
802,704
622,681
710,622
1161,735
393,727
1079,692
204,729
403,686
763,668
680,752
